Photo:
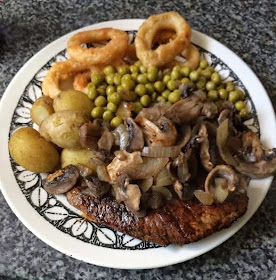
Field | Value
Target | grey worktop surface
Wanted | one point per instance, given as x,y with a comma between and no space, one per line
246,27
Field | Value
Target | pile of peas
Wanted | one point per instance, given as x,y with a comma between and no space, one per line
145,86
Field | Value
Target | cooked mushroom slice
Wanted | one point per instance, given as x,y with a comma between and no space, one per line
100,158
121,136
186,89
145,184
163,190
204,148
106,141
159,133
152,113
135,166
90,133
102,174
136,137
62,180
164,178
220,181
95,187
183,190
133,195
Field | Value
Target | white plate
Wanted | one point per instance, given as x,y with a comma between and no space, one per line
58,224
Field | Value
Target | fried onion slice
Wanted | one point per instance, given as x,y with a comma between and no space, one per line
115,48
164,53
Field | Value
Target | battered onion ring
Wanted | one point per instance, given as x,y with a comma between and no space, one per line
59,72
164,53
192,56
115,48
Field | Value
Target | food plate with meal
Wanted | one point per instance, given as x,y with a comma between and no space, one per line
136,144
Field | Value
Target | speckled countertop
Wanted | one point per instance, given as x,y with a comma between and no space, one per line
246,27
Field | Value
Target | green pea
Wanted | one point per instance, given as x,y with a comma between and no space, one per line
90,86
110,79
140,89
172,85
241,93
215,77
150,88
230,86
185,71
145,100
154,96
175,75
159,86
213,95
97,78
199,70
108,116
123,70
160,76
114,98
137,107
153,69
142,79
220,86
239,105
166,94
210,85
152,76
110,89
177,68
167,71
244,113
100,101
109,69
210,68
161,99
119,88
134,69
185,80
202,79
97,112
223,94
194,76
134,76
128,84
174,96
117,79
138,63
102,89
203,64
143,69
92,93
166,78
126,77
111,107
116,121
233,96
206,73
200,85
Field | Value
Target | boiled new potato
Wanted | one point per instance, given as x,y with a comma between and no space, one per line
32,151
73,100
42,109
62,128
75,156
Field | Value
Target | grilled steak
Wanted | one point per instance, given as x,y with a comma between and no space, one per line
177,222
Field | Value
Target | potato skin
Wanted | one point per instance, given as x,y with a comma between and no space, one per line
75,156
73,100
32,151
62,128
42,109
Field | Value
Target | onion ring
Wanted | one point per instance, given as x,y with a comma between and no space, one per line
115,48
164,53
59,72
192,56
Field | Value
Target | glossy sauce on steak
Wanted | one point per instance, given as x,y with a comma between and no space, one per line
177,222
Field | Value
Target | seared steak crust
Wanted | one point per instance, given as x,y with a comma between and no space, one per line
177,222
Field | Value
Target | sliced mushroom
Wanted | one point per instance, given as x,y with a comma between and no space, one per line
121,136
135,166
106,141
90,133
186,89
220,181
162,132
133,195
136,137
95,187
152,113
62,180
183,190
100,158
